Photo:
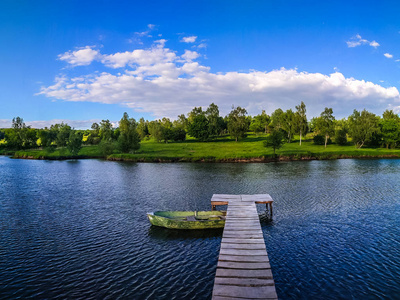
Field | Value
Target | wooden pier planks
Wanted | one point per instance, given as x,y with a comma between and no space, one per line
243,270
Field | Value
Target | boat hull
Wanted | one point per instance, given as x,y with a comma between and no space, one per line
187,219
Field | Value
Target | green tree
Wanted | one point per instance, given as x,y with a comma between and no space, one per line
143,128
166,129
320,140
106,147
96,129
15,137
106,130
74,143
29,138
274,140
276,119
237,123
288,123
194,113
341,137
45,137
214,119
301,120
198,127
362,126
325,124
178,134
182,122
51,138
155,130
129,139
341,130
61,131
390,129
93,137
260,123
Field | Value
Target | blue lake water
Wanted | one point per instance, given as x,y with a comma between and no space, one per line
78,229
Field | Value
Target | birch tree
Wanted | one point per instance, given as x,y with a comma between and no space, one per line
325,124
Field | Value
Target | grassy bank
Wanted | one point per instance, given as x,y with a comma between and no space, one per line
221,150
59,154
6,152
250,149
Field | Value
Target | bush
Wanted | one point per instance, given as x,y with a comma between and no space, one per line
178,134
93,140
106,147
74,143
198,128
341,137
50,148
320,140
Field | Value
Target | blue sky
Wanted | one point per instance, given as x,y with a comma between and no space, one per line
83,61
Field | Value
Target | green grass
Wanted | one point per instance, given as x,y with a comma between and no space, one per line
250,148
221,149
60,153
6,152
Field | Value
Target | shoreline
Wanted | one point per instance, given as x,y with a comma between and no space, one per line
264,159
283,158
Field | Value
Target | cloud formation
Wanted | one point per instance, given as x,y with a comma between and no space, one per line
159,81
190,55
388,55
357,40
82,57
189,39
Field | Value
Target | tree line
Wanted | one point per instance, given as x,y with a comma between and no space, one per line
363,127
125,138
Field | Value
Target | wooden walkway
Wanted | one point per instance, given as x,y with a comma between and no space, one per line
243,270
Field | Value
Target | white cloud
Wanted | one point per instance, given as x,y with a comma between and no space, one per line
357,40
190,55
5,123
201,46
189,39
82,57
161,82
374,44
388,55
141,57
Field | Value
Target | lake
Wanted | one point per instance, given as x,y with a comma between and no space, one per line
78,229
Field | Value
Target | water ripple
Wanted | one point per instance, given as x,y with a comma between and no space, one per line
77,229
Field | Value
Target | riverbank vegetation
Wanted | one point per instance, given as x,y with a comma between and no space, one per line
204,135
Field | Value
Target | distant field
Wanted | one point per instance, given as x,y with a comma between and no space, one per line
221,149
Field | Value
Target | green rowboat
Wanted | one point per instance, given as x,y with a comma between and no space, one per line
188,219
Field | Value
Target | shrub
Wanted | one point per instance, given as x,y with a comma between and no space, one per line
106,147
178,134
320,140
341,137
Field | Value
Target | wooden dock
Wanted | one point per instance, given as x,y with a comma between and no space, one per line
243,270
